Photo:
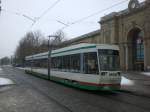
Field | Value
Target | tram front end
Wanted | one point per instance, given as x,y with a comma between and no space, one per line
110,74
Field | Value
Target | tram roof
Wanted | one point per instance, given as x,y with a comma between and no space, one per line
73,48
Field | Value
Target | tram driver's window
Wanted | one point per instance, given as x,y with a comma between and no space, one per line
90,63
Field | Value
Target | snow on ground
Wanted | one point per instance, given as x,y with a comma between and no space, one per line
125,81
21,68
5,81
7,65
24,68
146,73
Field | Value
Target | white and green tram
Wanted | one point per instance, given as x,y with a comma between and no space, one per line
86,66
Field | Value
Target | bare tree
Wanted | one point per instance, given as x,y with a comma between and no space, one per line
30,44
61,36
34,42
5,61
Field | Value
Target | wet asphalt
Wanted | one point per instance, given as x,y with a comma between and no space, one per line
32,94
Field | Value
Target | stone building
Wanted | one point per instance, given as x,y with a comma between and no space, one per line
130,29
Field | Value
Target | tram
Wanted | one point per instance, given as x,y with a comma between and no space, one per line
85,66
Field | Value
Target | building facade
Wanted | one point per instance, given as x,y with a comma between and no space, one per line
130,30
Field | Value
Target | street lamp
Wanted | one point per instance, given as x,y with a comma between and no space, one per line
49,54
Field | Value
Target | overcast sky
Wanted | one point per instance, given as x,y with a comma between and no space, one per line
13,25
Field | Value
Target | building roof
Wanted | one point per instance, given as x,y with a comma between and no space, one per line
93,33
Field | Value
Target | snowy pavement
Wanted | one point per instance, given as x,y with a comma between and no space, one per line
0,69
5,81
126,82
146,73
31,94
24,68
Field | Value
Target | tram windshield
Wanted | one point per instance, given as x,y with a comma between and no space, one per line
109,60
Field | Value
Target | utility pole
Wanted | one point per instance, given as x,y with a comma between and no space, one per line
49,54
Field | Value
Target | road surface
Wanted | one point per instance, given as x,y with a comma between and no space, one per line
32,94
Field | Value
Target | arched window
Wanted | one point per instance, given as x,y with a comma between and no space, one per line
139,47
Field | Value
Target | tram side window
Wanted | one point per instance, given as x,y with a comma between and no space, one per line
28,63
54,64
90,63
57,63
42,63
75,63
66,63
